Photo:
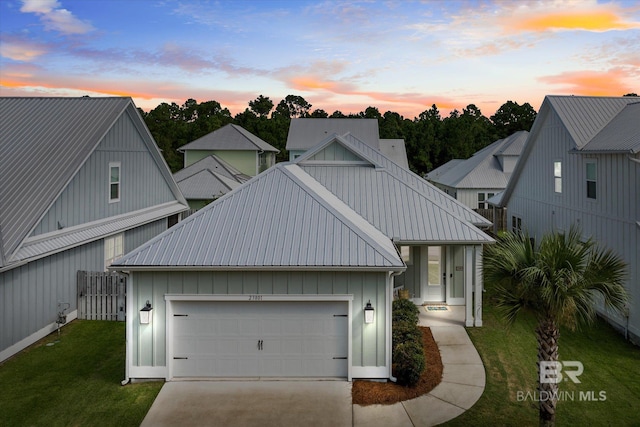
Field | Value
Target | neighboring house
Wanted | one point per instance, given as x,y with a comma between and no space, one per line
283,269
82,182
474,180
207,179
581,166
307,133
236,146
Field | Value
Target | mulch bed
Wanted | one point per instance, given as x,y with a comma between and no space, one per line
370,392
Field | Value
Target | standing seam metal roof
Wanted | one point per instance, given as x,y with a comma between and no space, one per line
229,137
280,219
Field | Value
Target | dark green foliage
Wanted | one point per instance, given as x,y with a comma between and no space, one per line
430,140
408,354
405,310
408,358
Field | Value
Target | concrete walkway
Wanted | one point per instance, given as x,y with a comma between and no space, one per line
463,380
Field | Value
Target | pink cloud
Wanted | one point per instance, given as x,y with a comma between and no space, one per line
20,49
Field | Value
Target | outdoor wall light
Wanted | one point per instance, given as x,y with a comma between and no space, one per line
368,313
145,314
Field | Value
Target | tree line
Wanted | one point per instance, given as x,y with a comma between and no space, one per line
431,140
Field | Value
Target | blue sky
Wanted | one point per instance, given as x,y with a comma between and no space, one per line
401,56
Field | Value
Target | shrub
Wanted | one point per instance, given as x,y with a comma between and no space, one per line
405,331
405,310
409,362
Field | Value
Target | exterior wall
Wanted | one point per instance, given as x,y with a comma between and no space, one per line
610,219
243,160
336,152
86,197
148,347
294,154
29,294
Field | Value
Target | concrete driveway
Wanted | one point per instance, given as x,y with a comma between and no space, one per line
252,403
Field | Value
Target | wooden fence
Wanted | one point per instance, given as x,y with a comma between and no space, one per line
500,218
102,296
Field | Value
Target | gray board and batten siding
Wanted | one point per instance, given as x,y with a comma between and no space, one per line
54,166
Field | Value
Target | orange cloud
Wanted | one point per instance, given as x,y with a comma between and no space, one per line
589,20
592,83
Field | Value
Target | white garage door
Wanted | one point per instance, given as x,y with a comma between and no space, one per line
260,339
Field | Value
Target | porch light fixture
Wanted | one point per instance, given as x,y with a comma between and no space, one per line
368,313
145,313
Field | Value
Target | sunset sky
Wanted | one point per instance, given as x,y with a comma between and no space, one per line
401,56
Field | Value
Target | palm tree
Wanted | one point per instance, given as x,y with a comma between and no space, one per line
560,282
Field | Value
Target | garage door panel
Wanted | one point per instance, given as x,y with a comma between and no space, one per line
246,339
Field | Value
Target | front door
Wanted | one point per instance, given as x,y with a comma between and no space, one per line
455,288
431,274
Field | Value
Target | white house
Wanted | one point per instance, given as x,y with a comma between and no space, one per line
274,278
581,166
81,183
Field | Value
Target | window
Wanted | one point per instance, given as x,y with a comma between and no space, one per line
481,204
114,182
407,254
516,224
592,174
113,249
557,177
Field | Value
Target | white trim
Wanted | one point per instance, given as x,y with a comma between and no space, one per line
170,298
119,182
479,288
128,366
148,372
33,338
468,285
370,372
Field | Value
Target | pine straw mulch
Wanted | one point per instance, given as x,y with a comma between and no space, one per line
370,392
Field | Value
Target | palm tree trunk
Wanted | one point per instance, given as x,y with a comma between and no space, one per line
547,334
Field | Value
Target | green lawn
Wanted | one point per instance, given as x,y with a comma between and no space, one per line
611,365
75,382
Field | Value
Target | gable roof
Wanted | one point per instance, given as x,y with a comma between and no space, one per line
209,178
400,209
43,144
378,160
483,169
307,133
287,221
229,137
595,124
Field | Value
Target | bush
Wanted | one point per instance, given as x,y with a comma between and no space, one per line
408,354
405,310
409,362
402,332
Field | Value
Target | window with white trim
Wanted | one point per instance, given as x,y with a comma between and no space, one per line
516,224
592,175
113,249
114,182
557,176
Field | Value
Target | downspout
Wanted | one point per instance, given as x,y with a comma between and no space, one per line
390,349
126,379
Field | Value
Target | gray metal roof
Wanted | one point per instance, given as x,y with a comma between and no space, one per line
281,219
43,143
229,137
585,116
621,134
395,150
208,179
393,206
307,133
421,185
482,170
442,169
43,245
212,163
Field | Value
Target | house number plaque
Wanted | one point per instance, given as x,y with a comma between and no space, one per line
255,297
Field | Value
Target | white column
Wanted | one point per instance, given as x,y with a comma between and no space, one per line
479,286
468,285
